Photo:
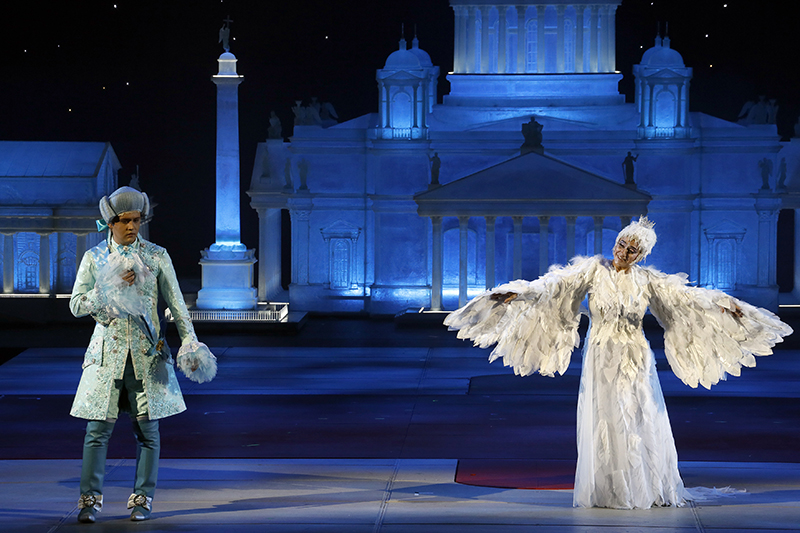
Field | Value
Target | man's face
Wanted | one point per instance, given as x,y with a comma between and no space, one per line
127,228
626,252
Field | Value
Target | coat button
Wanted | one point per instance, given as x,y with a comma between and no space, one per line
114,337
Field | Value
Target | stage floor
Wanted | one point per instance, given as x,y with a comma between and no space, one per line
357,425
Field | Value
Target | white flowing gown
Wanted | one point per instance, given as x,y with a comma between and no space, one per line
626,452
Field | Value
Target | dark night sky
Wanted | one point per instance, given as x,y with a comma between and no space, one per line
138,75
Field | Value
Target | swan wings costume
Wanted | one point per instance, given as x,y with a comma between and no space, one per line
626,452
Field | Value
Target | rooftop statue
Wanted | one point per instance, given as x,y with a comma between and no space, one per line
766,171
532,131
627,167
781,175
315,114
436,165
761,112
275,130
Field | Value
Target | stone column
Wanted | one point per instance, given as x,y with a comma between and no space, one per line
650,104
490,251
602,48
517,268
463,254
80,249
501,39
227,265
598,235
612,38
679,104
269,253
458,37
8,263
437,250
625,220
300,252
485,48
44,263
544,260
382,104
419,104
767,249
571,237
639,91
228,228
388,109
685,104
541,53
469,65
521,39
560,39
593,58
579,10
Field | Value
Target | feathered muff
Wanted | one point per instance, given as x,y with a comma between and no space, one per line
641,231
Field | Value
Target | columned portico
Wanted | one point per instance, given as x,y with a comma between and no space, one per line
531,198
470,15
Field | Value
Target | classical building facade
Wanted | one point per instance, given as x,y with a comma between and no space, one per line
49,192
532,157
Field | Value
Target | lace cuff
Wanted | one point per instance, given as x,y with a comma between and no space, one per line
197,362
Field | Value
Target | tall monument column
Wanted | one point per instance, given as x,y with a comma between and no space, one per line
227,264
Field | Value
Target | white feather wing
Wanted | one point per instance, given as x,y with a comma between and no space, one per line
535,332
703,338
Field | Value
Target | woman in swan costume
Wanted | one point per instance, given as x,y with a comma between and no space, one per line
626,452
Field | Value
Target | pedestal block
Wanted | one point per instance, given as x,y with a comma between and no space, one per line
227,278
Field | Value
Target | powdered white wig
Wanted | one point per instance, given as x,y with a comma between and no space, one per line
123,200
641,232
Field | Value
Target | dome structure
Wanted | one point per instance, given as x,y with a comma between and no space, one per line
404,58
422,55
662,93
662,56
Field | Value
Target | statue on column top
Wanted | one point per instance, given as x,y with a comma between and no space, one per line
224,34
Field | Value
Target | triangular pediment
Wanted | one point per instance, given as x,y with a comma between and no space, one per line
341,229
533,184
665,74
726,228
403,75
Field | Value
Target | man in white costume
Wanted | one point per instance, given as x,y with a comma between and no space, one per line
626,453
128,366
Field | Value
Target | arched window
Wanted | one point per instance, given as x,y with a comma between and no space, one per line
531,50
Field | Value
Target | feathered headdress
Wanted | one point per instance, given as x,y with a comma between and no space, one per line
641,231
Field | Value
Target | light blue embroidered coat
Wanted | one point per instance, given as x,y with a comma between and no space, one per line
114,337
